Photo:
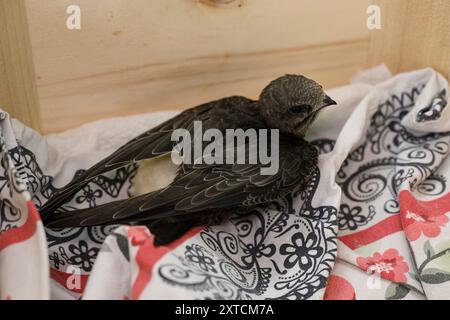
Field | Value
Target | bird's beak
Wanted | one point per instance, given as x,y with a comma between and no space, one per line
327,101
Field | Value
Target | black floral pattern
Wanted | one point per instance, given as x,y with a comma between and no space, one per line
249,247
398,156
57,260
83,256
302,251
199,257
282,251
255,251
9,215
104,187
89,195
352,218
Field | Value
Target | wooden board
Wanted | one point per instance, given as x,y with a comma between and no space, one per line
18,93
139,56
415,34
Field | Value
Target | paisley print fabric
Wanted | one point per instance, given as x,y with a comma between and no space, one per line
371,223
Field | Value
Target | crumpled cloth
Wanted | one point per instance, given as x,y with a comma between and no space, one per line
373,222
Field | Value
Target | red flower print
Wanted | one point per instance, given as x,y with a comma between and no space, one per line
428,225
423,217
389,265
339,288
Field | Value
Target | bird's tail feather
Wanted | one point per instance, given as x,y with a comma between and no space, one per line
63,195
127,211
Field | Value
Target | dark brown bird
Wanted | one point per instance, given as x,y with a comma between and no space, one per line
201,193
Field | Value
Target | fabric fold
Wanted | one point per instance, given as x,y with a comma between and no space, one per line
371,224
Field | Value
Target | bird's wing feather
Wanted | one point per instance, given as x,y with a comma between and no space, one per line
152,143
202,188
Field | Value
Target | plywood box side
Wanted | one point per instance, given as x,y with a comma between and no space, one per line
140,56
18,88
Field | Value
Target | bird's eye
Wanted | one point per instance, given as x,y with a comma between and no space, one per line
303,108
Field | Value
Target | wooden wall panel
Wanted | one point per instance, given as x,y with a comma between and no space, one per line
139,56
415,34
18,93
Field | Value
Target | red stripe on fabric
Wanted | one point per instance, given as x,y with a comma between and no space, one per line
148,255
382,229
436,207
23,232
62,278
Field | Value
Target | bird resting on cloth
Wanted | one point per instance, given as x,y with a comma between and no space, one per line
203,193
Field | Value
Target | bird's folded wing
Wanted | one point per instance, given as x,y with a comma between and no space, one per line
202,188
152,143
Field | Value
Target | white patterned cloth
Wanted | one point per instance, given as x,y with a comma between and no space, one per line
371,224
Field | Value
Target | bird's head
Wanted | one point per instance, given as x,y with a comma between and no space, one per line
291,103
